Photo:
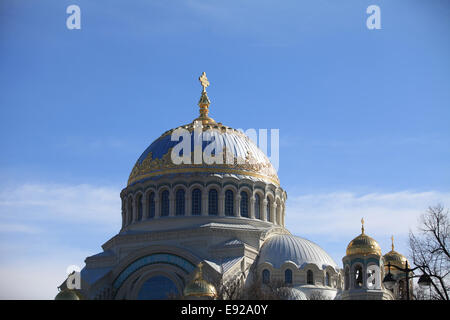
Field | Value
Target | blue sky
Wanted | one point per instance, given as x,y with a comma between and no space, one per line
363,114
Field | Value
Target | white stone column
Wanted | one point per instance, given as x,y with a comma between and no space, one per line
273,213
188,203
252,207
134,208
237,206
171,204
221,205
279,214
145,205
264,210
157,206
204,211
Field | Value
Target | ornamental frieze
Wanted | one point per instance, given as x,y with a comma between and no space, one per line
230,164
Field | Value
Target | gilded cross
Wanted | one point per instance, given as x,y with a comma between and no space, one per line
204,81
392,238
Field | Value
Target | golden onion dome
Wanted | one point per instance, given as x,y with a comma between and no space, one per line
68,294
199,287
394,258
363,244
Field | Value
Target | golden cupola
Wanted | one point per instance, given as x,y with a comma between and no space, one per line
394,258
198,287
363,245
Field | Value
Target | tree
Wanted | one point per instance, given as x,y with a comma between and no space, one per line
254,289
430,249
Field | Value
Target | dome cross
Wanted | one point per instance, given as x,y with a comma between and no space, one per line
204,81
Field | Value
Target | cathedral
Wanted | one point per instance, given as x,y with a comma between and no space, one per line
191,228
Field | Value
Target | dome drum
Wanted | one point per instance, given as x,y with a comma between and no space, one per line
207,197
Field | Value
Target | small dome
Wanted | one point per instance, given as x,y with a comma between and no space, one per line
289,293
282,248
199,287
68,294
363,244
394,258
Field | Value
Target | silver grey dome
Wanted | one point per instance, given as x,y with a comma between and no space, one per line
279,249
289,293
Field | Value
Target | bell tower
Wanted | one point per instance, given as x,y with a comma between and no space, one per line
363,270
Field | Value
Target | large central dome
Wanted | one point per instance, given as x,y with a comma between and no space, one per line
234,152
248,159
202,171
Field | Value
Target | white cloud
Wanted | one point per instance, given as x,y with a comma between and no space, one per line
339,213
332,220
34,270
38,277
18,228
79,203
33,258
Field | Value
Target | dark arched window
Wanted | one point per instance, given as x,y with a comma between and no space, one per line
327,279
179,202
309,277
346,278
266,276
268,210
229,203
151,205
257,206
139,207
244,204
130,211
165,203
213,202
358,277
288,276
196,202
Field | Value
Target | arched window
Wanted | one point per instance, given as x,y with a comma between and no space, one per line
288,276
268,210
358,277
157,288
346,278
266,276
151,205
139,207
309,277
179,202
165,203
229,203
327,279
129,211
213,202
257,206
244,204
196,202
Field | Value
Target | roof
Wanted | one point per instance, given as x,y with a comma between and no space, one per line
91,275
247,158
280,249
